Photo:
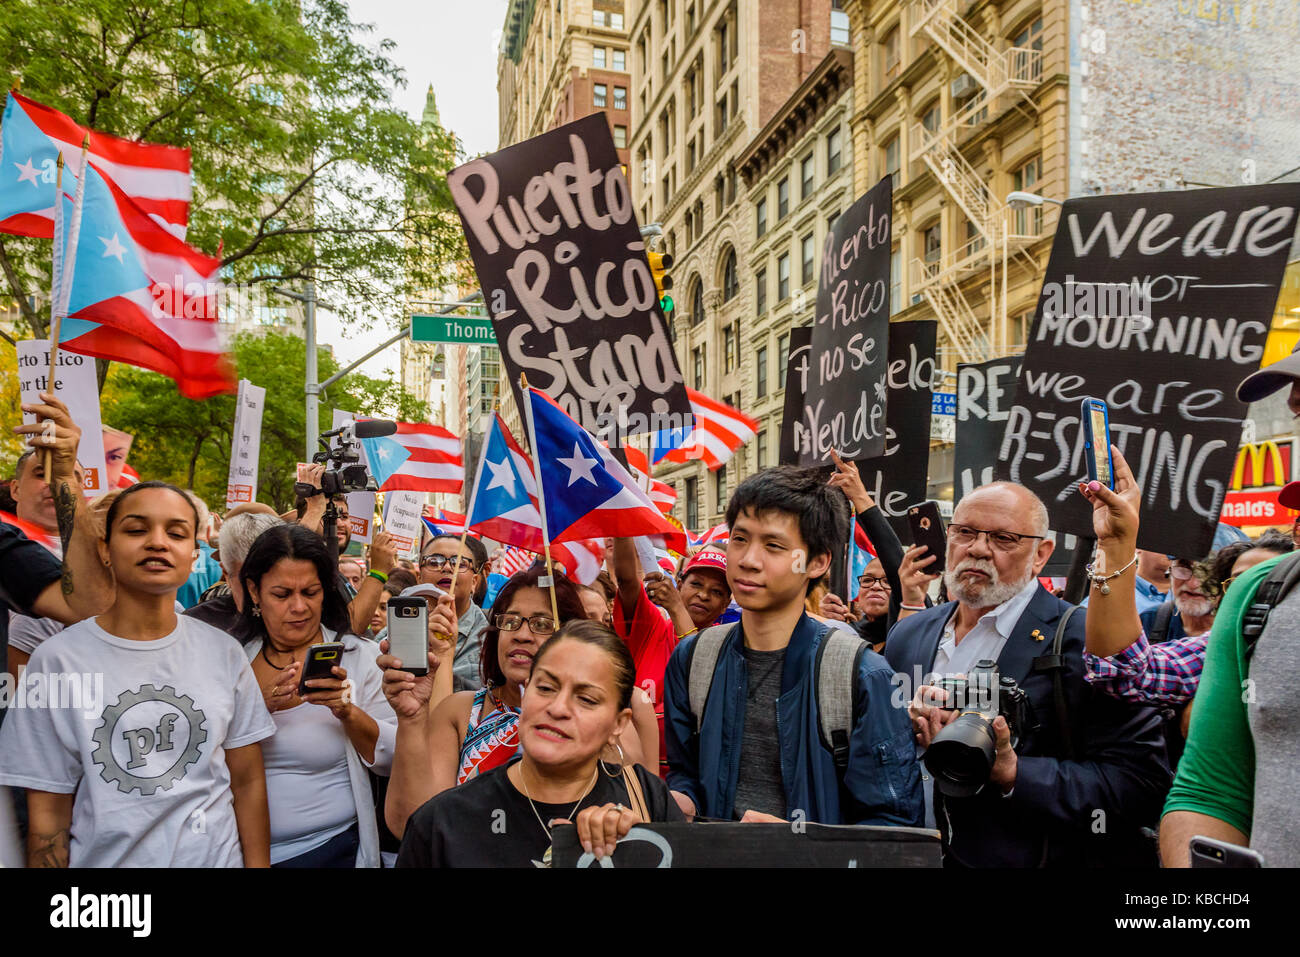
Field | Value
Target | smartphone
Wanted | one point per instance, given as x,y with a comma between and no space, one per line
320,662
1207,852
928,530
1096,442
408,633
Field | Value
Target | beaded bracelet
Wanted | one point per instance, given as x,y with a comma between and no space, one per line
1099,581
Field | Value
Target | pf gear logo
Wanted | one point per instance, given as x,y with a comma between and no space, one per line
148,739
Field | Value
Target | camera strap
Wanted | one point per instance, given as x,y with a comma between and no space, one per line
1054,664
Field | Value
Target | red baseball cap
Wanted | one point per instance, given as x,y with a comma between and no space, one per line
1289,497
708,558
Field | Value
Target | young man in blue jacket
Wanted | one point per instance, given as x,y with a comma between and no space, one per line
757,753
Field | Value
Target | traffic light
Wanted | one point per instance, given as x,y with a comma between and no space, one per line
660,263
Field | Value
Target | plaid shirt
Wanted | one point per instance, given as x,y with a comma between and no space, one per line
1167,672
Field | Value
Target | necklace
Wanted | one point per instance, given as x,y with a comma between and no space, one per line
546,858
278,652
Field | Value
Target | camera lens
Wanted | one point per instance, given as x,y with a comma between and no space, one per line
961,755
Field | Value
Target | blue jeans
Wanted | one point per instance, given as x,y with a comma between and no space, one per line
339,851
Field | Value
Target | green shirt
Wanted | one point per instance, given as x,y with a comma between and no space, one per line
1216,775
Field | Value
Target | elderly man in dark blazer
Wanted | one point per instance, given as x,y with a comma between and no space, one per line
1088,771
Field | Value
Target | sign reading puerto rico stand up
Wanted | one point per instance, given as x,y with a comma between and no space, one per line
844,407
564,275
1158,303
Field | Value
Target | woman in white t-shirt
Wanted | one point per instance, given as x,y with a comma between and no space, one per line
322,806
136,733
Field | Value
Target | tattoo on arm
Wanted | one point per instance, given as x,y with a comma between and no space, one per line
65,509
48,850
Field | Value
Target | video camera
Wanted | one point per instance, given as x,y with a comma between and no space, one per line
344,472
961,755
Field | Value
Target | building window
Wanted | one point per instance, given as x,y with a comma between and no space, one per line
930,118
895,281
620,61
620,137
782,198
598,91
697,303
620,98
730,283
760,292
833,158
782,359
693,504
720,489
809,267
806,172
893,65
783,278
760,449
760,374
974,239
760,218
1019,330
616,21
932,243
598,57
729,348
1029,221
697,363
839,24
723,47
830,221
891,161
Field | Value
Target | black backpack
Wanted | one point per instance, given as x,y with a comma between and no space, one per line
1271,591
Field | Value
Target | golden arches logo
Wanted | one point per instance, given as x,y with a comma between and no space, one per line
1266,466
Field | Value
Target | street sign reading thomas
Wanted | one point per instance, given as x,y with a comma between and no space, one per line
454,329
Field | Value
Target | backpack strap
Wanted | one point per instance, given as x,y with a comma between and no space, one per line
1271,591
704,661
836,666
1054,664
1160,627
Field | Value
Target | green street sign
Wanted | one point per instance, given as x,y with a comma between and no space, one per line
474,332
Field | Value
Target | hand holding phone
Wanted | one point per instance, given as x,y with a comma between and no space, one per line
408,632
928,530
321,661
1096,442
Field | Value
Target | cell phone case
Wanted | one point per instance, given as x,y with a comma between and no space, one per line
320,661
927,529
408,634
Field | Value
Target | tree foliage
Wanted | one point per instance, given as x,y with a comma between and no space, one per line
301,163
188,443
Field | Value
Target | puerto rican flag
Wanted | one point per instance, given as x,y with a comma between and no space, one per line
515,560
34,532
156,177
441,522
661,493
420,457
135,293
718,534
719,431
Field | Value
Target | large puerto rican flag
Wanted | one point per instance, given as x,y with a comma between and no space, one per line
156,177
420,457
719,431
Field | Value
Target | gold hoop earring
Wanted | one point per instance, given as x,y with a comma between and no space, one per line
621,761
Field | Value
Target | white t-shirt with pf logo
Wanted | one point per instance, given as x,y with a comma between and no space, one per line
139,730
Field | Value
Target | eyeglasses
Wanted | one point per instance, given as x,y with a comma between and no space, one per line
866,581
1002,541
538,624
439,562
1181,572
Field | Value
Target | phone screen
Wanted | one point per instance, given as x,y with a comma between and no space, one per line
1100,443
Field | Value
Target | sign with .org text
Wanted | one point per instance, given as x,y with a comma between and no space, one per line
245,445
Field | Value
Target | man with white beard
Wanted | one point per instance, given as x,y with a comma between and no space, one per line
1187,613
1088,771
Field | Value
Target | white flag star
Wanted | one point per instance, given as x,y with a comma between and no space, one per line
502,477
579,465
113,247
27,172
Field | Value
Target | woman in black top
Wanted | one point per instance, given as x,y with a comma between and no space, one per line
576,702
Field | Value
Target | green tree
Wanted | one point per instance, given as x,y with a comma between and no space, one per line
188,443
302,166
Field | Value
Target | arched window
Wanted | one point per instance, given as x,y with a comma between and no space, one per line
730,282
697,302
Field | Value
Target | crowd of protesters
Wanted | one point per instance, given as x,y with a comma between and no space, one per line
733,686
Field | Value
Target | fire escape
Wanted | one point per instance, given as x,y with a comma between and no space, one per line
1002,78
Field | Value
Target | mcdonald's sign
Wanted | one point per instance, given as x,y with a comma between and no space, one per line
1262,464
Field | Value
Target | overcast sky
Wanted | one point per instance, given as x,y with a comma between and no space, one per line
453,45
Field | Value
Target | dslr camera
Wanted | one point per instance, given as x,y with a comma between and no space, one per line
962,754
344,471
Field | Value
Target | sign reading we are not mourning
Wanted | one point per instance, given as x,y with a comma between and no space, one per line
563,270
1158,303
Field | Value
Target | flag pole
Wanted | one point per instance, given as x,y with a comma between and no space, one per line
56,294
473,491
541,494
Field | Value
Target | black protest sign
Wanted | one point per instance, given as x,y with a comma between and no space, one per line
728,844
900,476
796,384
1158,303
844,406
564,275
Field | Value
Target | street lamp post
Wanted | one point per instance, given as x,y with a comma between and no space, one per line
308,299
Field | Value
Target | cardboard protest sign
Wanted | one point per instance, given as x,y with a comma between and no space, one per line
758,845
900,476
1159,304
845,402
564,275
76,385
245,444
402,511
794,437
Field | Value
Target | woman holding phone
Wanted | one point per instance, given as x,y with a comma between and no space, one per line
171,739
329,730
575,705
